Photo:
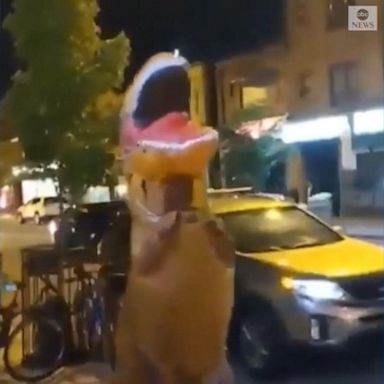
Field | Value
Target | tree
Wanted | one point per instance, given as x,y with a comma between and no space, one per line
248,161
57,100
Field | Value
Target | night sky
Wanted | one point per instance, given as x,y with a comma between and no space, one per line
201,29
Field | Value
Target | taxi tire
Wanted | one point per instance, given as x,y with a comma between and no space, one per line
262,333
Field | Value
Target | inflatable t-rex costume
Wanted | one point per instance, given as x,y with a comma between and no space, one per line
177,307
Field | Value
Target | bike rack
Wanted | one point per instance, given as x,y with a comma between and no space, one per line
44,261
36,262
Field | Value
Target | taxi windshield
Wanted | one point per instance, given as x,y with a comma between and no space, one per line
267,230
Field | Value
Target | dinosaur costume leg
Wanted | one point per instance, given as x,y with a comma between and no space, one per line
132,366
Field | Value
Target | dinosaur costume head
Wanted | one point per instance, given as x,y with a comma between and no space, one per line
161,144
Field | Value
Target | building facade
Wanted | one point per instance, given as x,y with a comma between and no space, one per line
329,80
203,94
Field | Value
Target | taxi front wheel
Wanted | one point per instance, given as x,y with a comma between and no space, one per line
260,347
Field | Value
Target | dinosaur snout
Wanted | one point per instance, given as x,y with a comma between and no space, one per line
172,145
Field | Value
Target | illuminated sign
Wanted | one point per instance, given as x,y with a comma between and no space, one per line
324,128
368,122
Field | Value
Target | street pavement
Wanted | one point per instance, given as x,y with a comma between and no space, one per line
308,370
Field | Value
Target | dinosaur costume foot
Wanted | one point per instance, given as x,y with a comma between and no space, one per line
222,376
135,371
141,374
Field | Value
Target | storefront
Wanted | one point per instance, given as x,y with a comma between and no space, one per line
368,144
325,152
344,155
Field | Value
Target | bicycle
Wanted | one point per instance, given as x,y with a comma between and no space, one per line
47,340
96,310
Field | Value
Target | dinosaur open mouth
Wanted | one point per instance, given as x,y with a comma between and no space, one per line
173,132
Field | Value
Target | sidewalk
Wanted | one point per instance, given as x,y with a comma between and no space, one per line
366,228
92,373
86,374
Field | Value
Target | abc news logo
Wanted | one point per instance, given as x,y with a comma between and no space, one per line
362,18
362,15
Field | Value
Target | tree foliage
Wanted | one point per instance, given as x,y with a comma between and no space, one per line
248,162
63,102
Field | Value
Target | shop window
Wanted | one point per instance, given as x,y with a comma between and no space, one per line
337,13
343,85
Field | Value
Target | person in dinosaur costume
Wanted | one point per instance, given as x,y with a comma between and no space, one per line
177,307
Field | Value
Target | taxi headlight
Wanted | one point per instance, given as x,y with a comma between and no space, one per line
315,289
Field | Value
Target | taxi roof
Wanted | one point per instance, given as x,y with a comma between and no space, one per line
227,204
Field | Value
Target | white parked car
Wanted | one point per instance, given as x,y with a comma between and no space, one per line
39,209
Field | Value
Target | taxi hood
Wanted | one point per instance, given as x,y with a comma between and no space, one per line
345,258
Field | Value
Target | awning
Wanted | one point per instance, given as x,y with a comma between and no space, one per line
261,77
258,128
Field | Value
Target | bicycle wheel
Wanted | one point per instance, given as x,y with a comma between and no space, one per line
109,330
35,349
80,314
85,318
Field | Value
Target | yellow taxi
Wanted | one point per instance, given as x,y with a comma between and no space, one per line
298,280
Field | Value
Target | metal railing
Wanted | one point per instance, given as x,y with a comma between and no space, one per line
43,263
